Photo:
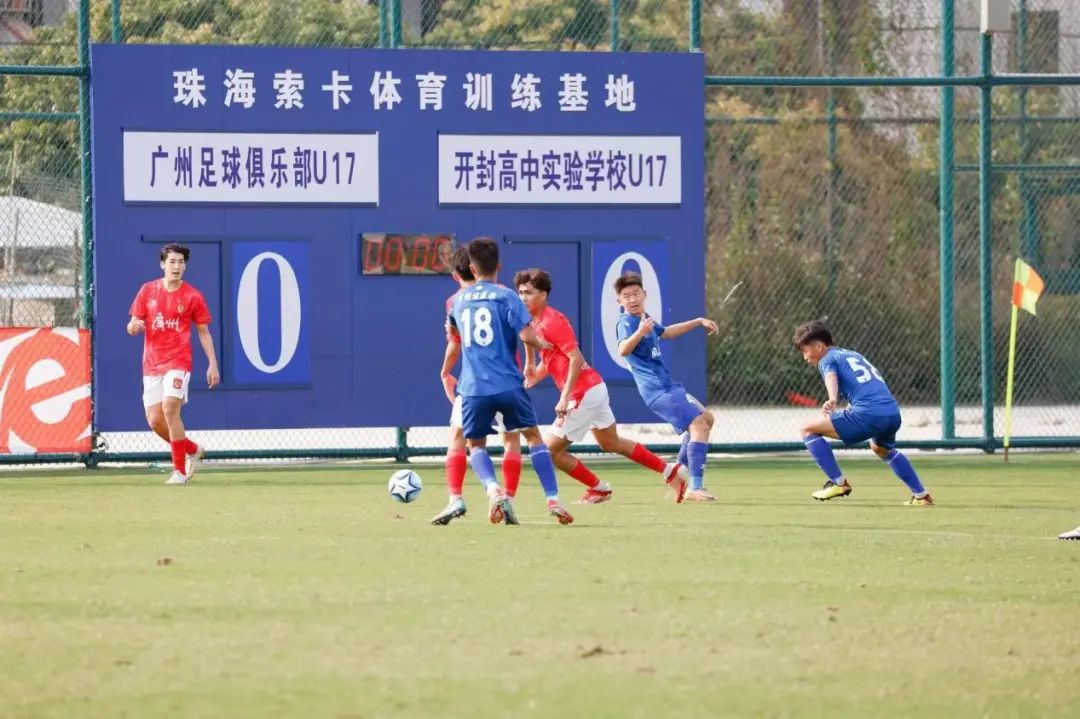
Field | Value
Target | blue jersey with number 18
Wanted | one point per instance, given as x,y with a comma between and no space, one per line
488,317
860,382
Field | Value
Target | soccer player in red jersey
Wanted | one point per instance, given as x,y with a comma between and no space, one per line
165,309
583,404
456,455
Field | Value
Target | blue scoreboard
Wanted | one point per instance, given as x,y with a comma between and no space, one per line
322,190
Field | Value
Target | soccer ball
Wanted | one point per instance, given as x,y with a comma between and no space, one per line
404,485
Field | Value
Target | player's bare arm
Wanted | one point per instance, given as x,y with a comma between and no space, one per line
577,363
832,385
135,325
681,328
629,344
450,358
213,377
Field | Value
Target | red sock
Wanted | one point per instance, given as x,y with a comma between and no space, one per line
647,459
178,454
582,474
511,471
456,463
189,446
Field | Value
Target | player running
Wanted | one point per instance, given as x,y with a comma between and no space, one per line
639,342
583,404
455,451
490,318
872,413
165,309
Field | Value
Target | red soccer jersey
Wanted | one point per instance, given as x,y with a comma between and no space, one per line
553,327
168,317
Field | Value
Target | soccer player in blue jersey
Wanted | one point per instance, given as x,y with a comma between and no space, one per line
872,413
490,318
639,341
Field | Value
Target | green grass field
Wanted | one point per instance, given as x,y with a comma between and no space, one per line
310,593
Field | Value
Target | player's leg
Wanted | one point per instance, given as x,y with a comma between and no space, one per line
571,428
456,464
596,490
518,414
686,414
478,414
609,440
697,450
814,434
155,418
152,395
511,464
174,396
884,446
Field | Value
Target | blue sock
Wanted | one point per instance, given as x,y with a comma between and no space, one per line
481,464
902,468
696,453
823,455
545,470
684,457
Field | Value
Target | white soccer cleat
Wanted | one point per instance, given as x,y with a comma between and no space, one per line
177,477
1074,534
191,462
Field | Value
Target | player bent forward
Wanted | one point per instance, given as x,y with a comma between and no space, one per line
872,414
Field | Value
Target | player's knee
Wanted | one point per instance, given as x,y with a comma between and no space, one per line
532,436
809,436
884,452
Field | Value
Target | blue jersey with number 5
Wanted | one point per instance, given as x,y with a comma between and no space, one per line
860,382
488,317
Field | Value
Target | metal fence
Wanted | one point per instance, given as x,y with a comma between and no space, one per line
879,163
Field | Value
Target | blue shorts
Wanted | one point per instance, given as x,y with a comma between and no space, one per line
855,425
677,408
478,413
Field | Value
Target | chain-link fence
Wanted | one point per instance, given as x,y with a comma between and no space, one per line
823,201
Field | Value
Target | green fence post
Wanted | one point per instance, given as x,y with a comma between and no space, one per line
986,333
1029,241
402,445
87,318
947,159
384,23
395,23
117,30
614,23
695,25
834,169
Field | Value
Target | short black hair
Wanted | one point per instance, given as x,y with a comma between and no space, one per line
534,276
484,253
459,263
174,247
811,332
628,279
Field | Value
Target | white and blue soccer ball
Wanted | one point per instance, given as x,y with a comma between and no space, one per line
404,485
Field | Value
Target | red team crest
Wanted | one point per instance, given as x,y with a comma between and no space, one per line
177,383
44,390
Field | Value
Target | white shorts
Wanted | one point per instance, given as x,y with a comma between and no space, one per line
593,412
457,423
173,383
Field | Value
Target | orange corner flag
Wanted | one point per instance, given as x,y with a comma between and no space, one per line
1027,286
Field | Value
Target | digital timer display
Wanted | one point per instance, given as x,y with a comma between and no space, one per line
388,253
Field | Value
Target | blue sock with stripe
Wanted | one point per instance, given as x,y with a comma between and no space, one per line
902,468
822,453
545,470
482,465
696,453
